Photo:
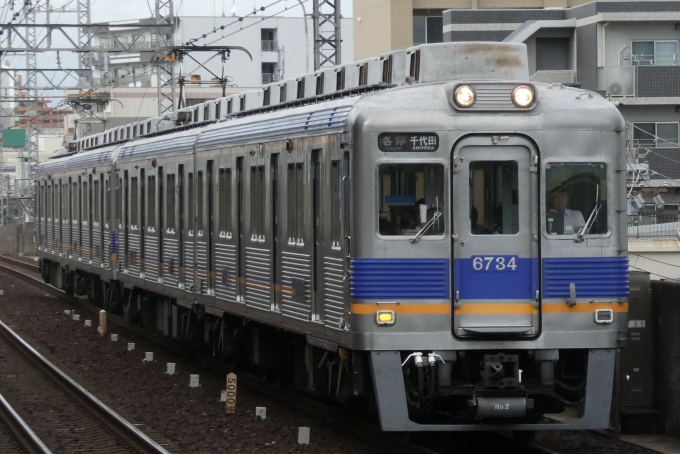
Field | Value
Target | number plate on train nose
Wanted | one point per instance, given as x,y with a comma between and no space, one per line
494,262
502,406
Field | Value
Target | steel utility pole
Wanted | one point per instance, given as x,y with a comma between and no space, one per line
327,36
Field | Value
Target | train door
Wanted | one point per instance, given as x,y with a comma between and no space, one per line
87,220
108,224
189,234
77,211
332,262
240,206
257,253
495,225
126,219
275,215
150,230
168,207
296,247
318,193
63,234
157,207
210,226
201,253
141,224
226,240
134,242
95,256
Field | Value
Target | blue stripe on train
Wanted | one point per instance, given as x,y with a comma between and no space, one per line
400,278
492,284
594,277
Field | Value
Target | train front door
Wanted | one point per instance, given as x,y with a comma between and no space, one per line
495,247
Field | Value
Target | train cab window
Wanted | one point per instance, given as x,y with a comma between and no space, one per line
494,200
576,197
411,197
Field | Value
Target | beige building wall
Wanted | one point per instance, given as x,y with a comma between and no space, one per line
385,25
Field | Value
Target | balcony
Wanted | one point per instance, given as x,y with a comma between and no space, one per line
644,79
654,226
269,46
268,78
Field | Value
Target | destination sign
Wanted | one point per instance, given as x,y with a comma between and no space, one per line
408,141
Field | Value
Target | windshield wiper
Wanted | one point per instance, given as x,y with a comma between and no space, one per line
429,224
581,235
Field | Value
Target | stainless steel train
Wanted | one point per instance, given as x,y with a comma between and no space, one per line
428,234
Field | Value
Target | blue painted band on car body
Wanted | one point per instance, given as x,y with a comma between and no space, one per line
594,277
492,284
399,278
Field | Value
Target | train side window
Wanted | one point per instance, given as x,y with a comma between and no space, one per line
134,202
336,207
192,203
257,205
296,204
409,195
575,195
73,213
224,190
151,202
199,202
119,199
170,210
95,202
494,198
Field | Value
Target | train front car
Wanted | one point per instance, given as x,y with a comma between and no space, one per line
490,284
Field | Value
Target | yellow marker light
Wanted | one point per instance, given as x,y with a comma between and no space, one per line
384,317
465,96
523,96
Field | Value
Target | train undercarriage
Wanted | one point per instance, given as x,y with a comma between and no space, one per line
441,388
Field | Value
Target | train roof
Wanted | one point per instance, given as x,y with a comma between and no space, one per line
417,65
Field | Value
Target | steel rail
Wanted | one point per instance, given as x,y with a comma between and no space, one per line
137,438
20,263
22,430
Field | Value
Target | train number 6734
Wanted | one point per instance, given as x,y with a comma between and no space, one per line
494,263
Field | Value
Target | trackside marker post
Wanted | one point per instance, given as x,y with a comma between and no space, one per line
230,404
303,435
102,323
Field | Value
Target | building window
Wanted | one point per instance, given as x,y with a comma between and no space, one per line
654,53
269,73
657,135
269,43
428,29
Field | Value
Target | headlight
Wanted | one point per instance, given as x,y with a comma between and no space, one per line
523,96
465,96
385,317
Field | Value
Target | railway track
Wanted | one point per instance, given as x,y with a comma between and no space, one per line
16,435
341,420
60,411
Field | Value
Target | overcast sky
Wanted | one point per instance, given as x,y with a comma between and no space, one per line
110,10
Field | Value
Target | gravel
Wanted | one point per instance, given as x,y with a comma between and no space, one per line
183,419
